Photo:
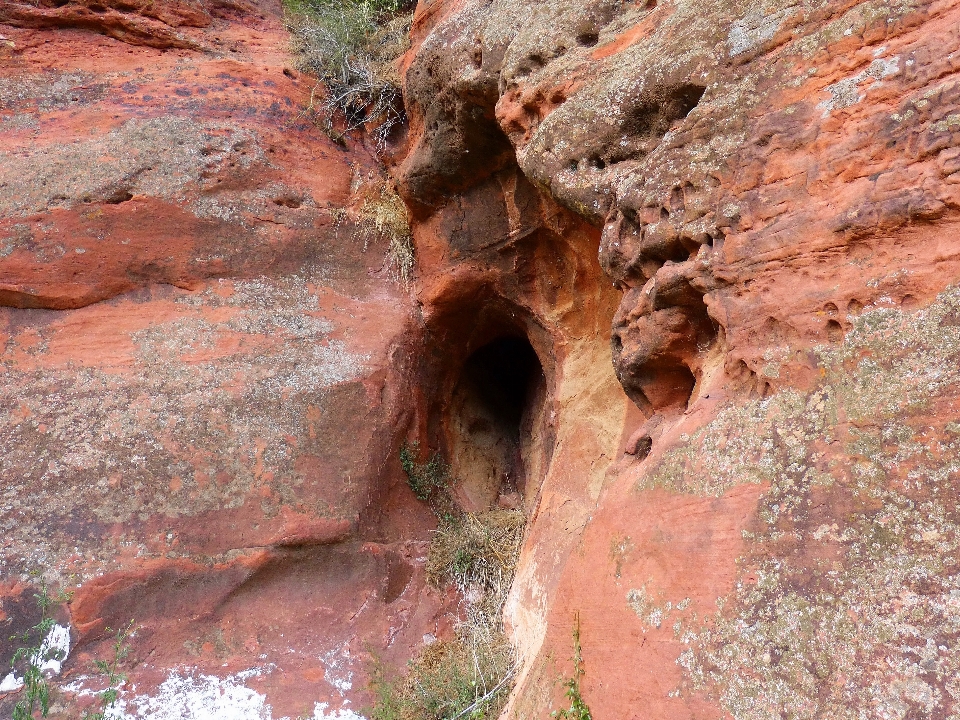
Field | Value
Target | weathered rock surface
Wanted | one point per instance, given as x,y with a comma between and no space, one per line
777,189
208,373
203,369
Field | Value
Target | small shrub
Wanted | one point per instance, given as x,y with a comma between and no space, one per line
425,479
388,706
459,678
349,46
578,709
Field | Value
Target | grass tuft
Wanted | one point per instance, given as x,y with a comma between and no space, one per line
471,674
478,549
426,479
350,47
383,212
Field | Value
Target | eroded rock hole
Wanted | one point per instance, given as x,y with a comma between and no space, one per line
119,196
834,331
658,357
588,38
288,201
654,113
495,413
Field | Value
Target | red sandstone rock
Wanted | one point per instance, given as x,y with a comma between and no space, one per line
775,186
201,406
204,406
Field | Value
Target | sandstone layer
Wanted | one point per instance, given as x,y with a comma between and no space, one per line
204,364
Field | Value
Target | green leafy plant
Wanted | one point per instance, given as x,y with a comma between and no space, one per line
578,709
387,705
110,669
349,46
33,654
425,479
460,678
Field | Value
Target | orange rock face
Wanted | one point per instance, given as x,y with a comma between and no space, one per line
777,194
204,365
208,370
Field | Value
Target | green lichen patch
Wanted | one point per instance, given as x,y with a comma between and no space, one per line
652,610
890,364
162,157
847,602
217,407
893,362
753,442
856,606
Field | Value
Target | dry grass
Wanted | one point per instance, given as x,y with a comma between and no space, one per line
384,213
376,210
454,679
477,551
351,46
470,675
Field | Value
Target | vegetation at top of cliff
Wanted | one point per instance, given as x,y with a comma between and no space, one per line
470,674
350,46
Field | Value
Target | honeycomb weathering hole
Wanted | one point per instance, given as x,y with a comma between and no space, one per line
658,357
494,417
655,111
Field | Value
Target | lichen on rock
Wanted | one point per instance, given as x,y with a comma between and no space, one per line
848,591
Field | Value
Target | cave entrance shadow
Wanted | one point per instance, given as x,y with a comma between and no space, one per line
495,422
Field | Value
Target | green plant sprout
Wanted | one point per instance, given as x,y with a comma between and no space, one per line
388,704
578,709
425,479
110,669
37,651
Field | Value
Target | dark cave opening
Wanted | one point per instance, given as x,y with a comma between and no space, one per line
494,418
